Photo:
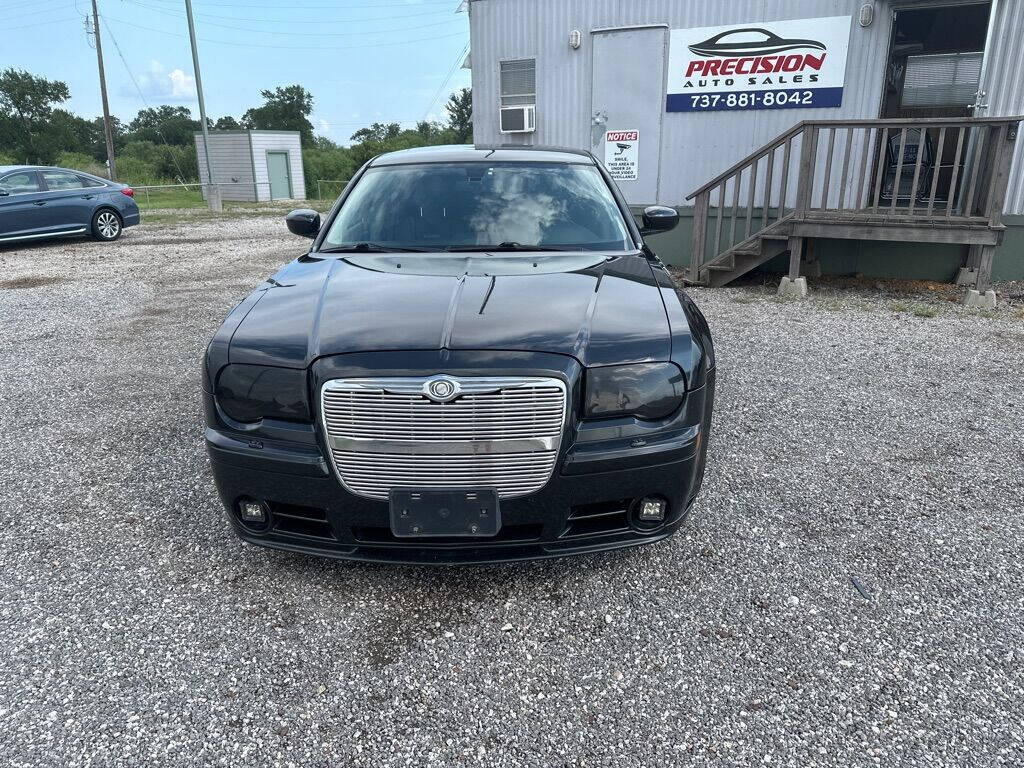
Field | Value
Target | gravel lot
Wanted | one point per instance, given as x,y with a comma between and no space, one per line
859,444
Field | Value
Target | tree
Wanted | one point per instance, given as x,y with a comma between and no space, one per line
378,132
460,115
163,124
227,123
283,109
28,101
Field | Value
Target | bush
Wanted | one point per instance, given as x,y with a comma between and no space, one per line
326,163
144,162
81,162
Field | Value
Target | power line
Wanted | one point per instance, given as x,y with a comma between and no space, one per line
448,77
329,7
43,23
307,33
263,46
291,20
34,4
106,25
36,12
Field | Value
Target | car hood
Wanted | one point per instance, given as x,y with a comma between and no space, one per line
600,309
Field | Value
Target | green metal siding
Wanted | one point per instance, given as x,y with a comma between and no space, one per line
915,261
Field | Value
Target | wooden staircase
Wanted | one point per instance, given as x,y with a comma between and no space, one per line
741,258
945,183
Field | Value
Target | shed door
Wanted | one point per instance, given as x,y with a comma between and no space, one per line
280,177
628,100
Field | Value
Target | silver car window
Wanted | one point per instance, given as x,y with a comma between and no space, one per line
20,183
56,180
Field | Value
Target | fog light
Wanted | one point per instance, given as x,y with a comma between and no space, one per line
652,509
252,511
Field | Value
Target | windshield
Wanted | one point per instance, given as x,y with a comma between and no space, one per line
475,205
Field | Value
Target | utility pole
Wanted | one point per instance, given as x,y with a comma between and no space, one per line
212,194
108,132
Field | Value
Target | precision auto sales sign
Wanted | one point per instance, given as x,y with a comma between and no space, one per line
760,65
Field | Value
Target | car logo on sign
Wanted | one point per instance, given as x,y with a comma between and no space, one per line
441,390
751,41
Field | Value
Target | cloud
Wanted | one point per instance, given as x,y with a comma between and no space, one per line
324,128
157,82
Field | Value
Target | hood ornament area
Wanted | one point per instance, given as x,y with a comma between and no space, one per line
441,389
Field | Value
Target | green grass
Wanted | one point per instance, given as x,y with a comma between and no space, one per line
170,197
167,215
925,310
899,306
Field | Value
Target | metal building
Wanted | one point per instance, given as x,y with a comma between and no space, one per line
672,93
254,165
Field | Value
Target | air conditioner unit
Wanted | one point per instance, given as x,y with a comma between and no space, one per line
522,119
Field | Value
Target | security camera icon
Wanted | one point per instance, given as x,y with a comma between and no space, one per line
622,148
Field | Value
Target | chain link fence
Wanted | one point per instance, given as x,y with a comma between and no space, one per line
184,198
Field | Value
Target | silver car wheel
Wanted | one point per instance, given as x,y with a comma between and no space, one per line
108,225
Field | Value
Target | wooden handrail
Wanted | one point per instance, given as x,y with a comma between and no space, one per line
931,122
757,154
896,180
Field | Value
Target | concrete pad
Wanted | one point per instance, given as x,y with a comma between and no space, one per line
986,300
967,276
793,289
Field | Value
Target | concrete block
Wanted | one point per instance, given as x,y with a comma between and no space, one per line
967,276
793,289
986,300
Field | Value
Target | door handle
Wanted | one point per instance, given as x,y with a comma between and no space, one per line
88,197
38,202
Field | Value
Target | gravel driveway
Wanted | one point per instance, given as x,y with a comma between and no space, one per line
850,592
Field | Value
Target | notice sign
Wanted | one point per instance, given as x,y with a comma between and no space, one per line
621,154
761,65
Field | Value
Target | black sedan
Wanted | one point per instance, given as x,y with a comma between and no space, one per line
38,202
478,359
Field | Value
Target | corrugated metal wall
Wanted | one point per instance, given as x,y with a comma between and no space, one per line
1004,82
230,161
695,147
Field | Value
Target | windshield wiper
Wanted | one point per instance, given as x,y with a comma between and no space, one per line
374,248
509,246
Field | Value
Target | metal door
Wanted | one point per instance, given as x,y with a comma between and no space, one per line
280,175
628,95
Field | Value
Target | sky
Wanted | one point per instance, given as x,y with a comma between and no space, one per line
363,60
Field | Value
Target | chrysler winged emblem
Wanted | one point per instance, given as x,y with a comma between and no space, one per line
441,389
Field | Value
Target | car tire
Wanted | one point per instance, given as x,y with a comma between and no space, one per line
106,225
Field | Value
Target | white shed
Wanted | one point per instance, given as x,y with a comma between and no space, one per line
254,165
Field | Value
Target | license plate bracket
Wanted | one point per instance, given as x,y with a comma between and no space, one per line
418,512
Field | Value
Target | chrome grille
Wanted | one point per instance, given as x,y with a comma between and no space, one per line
497,432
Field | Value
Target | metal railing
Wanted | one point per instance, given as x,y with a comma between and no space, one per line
950,173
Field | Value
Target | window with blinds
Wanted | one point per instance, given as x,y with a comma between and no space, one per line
942,79
518,82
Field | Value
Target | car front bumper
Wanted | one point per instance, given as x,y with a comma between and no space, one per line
588,505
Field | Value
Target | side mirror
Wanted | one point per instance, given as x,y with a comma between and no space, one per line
658,218
303,222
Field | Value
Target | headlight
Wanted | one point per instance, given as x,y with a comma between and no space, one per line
644,390
249,393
